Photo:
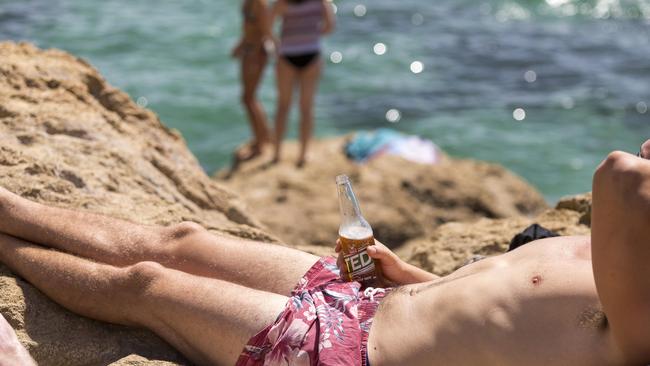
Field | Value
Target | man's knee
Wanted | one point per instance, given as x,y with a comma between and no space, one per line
176,237
184,230
135,291
621,174
140,277
645,150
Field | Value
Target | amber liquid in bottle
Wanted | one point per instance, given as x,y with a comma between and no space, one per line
356,235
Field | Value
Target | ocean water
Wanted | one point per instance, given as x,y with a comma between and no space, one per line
546,88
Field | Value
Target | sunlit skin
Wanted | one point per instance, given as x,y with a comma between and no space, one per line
12,352
251,52
559,301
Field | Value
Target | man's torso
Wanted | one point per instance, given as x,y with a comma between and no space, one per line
534,306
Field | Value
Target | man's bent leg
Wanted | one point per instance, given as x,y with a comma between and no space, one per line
187,246
207,320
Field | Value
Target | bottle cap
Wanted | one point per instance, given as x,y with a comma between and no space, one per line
342,179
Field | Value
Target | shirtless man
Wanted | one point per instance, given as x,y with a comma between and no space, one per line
560,301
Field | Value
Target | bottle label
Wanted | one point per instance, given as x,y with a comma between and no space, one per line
360,266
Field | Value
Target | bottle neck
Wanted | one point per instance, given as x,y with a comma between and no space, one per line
349,206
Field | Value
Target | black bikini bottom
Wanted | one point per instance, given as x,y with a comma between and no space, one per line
302,61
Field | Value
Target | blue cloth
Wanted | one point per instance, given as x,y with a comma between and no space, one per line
368,143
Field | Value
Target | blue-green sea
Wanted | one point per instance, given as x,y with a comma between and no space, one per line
545,88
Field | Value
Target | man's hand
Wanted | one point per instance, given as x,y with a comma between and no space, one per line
645,150
12,353
392,267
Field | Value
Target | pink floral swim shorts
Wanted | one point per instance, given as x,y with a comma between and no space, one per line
325,322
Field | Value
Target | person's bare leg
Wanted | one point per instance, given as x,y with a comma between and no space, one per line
186,246
309,79
285,80
252,70
208,320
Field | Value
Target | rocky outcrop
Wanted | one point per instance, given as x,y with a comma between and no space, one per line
452,245
402,200
69,139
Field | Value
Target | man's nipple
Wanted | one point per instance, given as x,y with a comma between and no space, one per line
536,280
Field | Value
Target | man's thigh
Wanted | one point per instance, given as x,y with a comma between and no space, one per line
208,320
262,266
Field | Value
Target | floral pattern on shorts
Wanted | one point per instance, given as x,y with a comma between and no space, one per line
325,322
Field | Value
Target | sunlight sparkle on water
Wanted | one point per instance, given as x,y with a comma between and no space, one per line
360,10
417,19
417,67
336,57
567,103
519,114
393,115
530,76
556,3
142,102
379,49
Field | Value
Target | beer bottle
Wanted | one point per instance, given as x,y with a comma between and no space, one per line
355,235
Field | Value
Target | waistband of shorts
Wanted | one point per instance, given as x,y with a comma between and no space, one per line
367,310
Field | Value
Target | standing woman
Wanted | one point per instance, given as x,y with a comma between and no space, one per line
252,53
304,22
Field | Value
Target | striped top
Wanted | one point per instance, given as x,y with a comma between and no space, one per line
301,28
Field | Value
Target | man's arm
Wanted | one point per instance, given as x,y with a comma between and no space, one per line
12,353
621,251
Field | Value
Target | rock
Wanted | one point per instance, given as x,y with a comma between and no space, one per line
135,360
453,244
402,200
580,203
69,139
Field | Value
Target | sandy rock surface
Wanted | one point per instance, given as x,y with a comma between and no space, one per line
69,139
401,200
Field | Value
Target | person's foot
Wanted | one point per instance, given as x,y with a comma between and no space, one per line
248,151
245,152
300,163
